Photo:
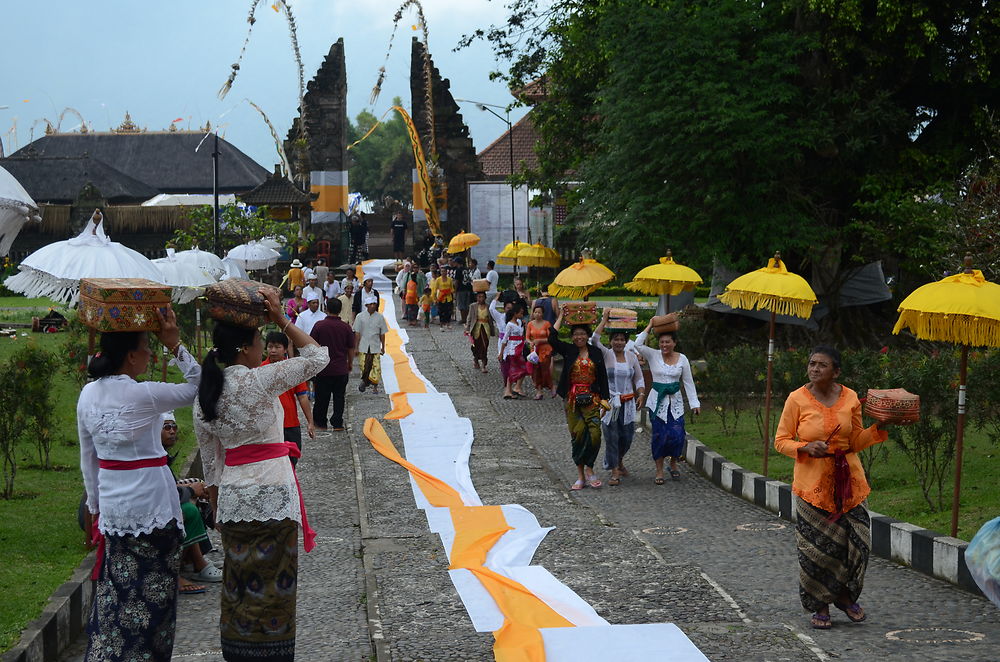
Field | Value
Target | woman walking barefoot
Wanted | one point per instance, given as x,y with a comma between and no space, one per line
670,369
480,328
511,352
626,386
537,332
584,386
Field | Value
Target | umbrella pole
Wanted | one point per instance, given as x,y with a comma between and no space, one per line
166,357
91,343
197,328
767,392
959,437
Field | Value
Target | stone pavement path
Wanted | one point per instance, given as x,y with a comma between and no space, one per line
376,586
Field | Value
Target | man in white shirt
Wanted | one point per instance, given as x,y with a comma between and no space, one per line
349,277
474,272
493,277
308,317
331,289
312,288
321,272
369,335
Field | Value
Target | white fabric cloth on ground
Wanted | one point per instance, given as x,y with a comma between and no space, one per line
119,418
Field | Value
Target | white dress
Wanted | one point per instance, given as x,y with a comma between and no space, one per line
664,374
118,418
249,413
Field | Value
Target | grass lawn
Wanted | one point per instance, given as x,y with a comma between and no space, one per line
895,485
40,540
24,302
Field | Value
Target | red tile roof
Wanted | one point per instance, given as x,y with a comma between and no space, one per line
495,159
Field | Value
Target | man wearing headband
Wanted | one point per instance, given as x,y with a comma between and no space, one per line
366,291
308,317
369,335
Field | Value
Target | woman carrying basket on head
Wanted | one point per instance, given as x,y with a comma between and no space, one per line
238,420
132,494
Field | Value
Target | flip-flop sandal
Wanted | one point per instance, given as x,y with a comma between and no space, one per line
821,621
594,482
508,397
578,485
675,475
191,589
659,480
614,480
852,611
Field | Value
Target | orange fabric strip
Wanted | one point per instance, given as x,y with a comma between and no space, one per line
407,379
400,407
477,529
436,491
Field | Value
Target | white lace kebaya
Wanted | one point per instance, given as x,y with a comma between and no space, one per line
118,418
249,413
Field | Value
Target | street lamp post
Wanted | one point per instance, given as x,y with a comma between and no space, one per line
488,107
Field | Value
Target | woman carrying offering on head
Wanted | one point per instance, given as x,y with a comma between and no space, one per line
626,386
583,384
537,333
821,429
132,494
670,369
480,327
238,419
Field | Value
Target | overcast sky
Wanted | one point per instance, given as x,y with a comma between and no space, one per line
163,60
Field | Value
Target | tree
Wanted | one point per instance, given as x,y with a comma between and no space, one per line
236,226
721,128
381,165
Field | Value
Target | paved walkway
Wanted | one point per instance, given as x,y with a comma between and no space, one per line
376,586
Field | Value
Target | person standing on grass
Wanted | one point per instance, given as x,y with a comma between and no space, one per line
331,382
277,350
626,386
583,385
369,338
821,429
670,369
131,494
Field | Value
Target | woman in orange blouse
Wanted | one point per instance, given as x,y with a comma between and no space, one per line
821,429
537,332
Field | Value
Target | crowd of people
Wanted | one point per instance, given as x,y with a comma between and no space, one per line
247,395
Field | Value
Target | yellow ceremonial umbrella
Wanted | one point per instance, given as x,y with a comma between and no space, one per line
963,309
667,278
580,279
776,289
462,241
510,252
537,255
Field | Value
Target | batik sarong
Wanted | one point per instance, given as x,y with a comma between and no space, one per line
259,582
585,431
833,556
135,598
371,368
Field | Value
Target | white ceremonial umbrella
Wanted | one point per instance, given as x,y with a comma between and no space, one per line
55,270
272,242
233,270
204,260
252,256
187,279
16,209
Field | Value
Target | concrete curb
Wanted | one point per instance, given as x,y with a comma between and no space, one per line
65,616
931,553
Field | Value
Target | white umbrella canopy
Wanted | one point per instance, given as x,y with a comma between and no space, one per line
233,270
187,279
16,209
209,262
272,242
252,256
55,270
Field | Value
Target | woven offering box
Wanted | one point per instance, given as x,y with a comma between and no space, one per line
622,319
237,302
580,312
665,323
892,404
480,285
122,304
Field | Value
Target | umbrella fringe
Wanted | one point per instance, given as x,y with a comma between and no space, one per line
658,287
957,329
769,302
